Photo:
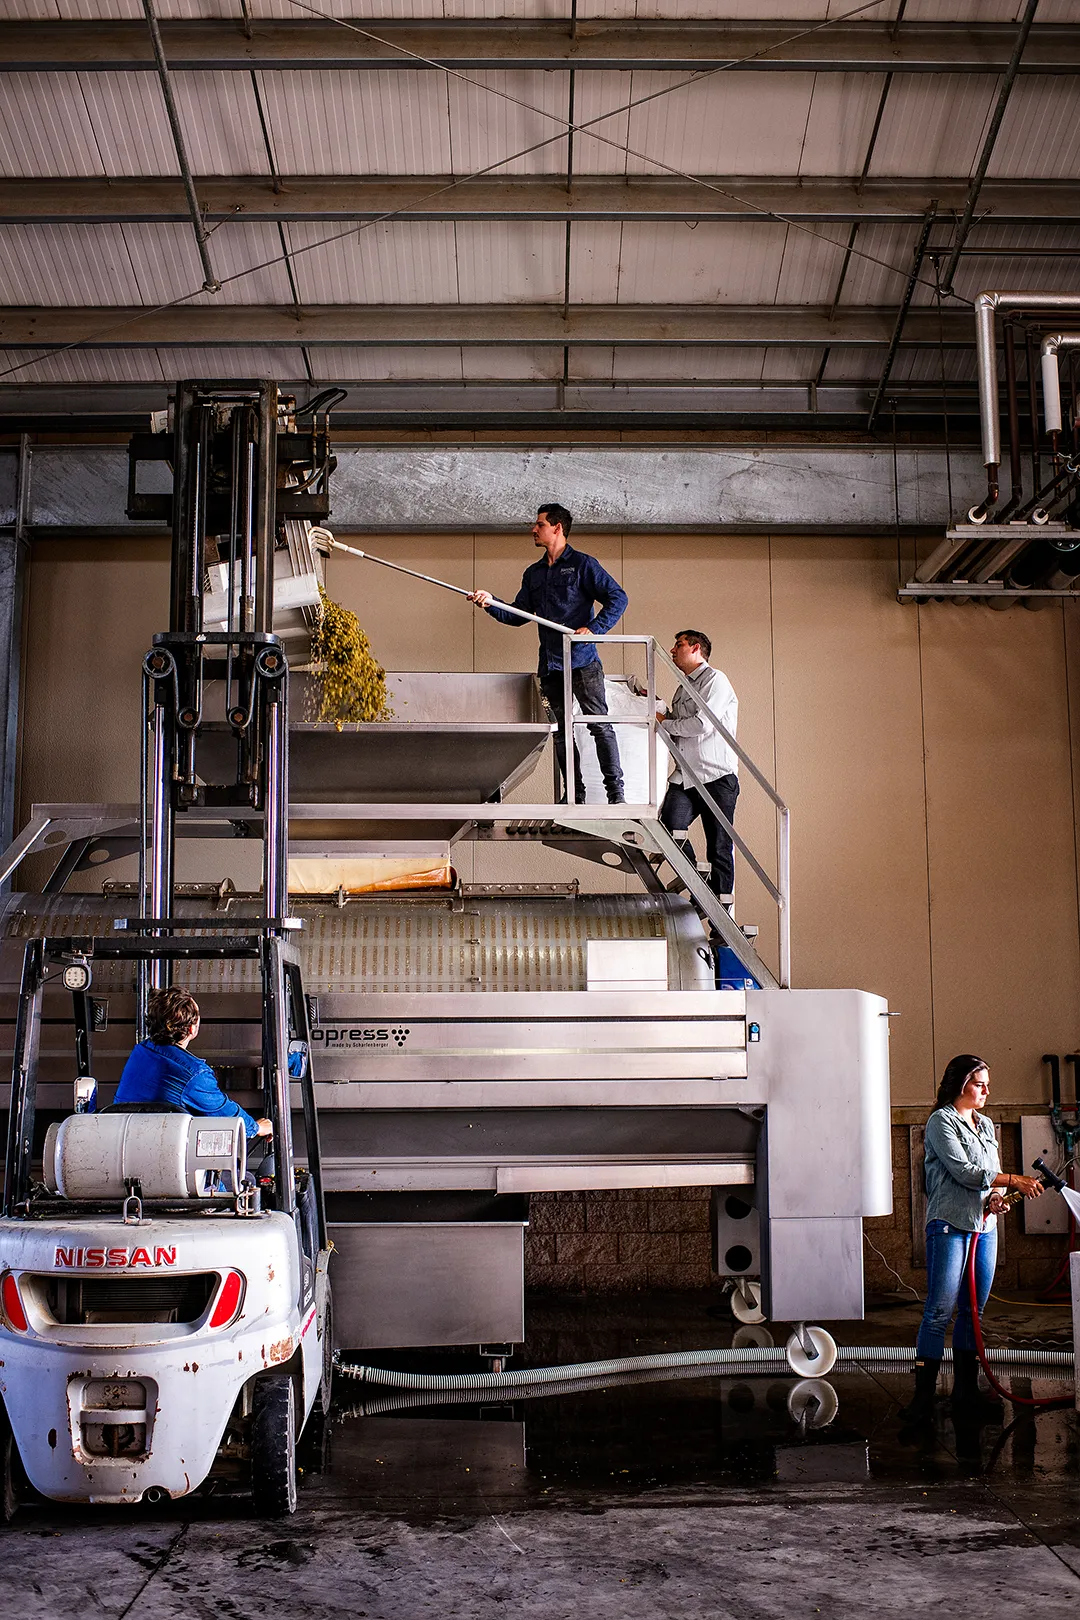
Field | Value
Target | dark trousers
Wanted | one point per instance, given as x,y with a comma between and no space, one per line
682,804
588,687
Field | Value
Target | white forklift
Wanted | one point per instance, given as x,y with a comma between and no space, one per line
165,1315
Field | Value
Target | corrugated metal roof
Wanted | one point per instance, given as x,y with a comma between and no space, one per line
879,268
286,365
933,124
381,122
597,94
408,122
1040,133
82,365
680,264
220,119
499,262
810,264
393,263
68,265
488,122
595,257
45,129
167,263
131,126
725,123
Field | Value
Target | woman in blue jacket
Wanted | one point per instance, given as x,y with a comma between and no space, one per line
161,1069
964,1182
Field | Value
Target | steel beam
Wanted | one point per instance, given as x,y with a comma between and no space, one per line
239,46
722,198
246,325
80,488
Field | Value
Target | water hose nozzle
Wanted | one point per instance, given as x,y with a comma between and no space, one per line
1050,1178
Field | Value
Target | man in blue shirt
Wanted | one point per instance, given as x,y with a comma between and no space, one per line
162,1069
566,586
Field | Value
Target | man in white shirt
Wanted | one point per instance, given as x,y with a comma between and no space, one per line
713,762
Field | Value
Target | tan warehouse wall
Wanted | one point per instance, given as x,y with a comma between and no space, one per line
928,754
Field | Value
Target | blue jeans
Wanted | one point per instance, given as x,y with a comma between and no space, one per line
947,1286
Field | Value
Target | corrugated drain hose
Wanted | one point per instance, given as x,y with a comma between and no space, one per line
759,1359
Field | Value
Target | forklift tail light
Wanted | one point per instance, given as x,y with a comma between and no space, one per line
13,1305
229,1299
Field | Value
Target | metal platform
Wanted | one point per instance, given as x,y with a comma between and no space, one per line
469,738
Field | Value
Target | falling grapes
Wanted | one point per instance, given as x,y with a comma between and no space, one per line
351,682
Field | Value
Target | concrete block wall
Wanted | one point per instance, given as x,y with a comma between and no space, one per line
614,1242
610,1242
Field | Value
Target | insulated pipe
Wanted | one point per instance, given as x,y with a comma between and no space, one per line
987,306
1051,381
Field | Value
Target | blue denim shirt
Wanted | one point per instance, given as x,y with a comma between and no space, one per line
172,1074
961,1164
567,592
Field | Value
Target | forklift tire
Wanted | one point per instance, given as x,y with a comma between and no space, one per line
10,1471
273,1446
326,1384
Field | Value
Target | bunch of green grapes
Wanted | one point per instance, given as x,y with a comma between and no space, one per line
351,681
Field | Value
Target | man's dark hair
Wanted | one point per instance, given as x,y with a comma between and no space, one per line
169,1015
556,514
696,638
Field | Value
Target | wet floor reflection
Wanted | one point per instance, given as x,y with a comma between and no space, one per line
674,1435
683,1436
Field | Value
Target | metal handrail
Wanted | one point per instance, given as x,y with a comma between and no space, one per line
780,891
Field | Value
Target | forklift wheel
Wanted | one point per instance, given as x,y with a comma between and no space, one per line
326,1385
273,1446
10,1470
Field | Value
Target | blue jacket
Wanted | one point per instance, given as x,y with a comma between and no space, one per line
172,1074
960,1166
567,593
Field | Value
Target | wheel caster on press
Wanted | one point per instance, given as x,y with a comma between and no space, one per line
746,1302
752,1336
811,1352
812,1403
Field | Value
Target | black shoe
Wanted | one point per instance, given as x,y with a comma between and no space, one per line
967,1398
920,1409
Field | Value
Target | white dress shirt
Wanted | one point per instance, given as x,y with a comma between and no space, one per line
694,734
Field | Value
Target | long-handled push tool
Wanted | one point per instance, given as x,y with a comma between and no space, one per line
322,540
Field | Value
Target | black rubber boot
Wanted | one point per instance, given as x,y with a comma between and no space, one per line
967,1397
920,1409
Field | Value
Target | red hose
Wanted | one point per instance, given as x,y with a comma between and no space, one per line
973,1294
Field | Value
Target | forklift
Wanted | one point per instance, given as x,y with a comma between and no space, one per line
165,1307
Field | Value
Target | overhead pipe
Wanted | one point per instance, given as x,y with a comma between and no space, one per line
1051,380
987,307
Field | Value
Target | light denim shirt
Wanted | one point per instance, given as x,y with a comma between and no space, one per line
961,1164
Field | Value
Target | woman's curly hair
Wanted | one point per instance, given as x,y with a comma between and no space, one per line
170,1015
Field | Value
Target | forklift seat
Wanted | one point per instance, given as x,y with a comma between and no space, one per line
168,1155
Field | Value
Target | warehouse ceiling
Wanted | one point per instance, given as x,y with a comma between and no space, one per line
470,212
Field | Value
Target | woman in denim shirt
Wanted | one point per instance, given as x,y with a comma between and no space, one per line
963,1171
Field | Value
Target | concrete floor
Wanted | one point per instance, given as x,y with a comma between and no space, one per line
681,1499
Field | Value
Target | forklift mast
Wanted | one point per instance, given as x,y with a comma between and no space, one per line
241,466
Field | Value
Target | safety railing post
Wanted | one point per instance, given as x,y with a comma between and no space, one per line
784,875
650,694
570,766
